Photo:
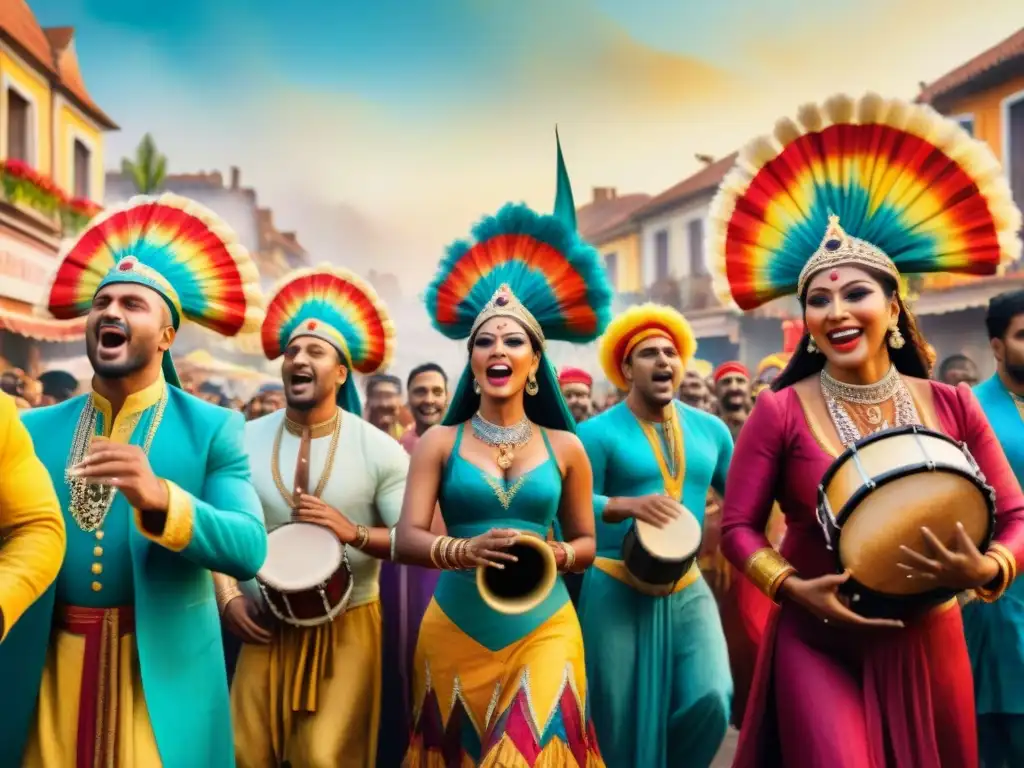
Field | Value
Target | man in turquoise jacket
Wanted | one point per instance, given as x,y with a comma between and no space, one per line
121,663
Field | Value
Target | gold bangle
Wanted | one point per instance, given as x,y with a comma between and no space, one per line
435,550
446,553
226,595
991,594
1008,556
570,555
362,536
768,569
460,554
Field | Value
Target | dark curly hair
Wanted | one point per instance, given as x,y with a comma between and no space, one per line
915,358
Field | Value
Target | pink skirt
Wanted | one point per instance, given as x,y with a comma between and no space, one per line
828,697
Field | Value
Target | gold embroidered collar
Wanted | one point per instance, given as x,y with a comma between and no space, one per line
323,429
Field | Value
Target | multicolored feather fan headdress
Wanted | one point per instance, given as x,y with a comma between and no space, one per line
337,306
872,181
527,266
172,245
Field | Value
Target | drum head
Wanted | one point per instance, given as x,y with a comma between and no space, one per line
678,540
300,555
893,514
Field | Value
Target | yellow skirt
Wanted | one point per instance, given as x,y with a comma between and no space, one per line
523,706
91,708
312,696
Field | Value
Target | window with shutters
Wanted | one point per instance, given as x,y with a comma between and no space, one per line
82,161
19,127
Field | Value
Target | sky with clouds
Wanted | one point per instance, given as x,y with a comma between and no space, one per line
412,118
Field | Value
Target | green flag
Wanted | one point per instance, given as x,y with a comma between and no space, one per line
565,208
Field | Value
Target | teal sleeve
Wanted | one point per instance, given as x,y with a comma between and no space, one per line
590,435
223,530
724,446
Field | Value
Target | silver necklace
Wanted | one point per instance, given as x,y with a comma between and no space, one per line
505,439
889,387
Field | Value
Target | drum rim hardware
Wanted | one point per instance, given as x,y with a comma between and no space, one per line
330,613
832,523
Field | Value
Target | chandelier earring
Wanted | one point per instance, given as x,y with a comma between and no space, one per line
476,386
532,387
896,340
811,346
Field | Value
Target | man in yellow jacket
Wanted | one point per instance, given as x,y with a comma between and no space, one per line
32,537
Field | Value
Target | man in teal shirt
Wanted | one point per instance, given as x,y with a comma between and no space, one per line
995,631
121,663
657,666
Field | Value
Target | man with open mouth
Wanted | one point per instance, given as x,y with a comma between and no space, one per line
307,687
657,664
120,664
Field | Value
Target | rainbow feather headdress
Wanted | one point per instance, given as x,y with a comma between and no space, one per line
171,245
337,306
877,182
520,264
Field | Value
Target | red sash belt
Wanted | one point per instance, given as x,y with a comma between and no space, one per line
102,629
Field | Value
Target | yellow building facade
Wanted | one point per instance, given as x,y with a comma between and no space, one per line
985,112
623,251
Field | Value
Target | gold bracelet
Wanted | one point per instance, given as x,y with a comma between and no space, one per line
991,594
570,556
226,595
362,536
768,569
1008,556
435,550
459,554
446,553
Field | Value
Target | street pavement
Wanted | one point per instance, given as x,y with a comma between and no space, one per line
728,751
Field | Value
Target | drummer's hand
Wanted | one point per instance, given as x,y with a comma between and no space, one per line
240,618
963,567
655,508
489,548
313,510
821,597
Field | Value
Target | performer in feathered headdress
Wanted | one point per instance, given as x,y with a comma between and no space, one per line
831,208
318,462
660,697
155,487
503,679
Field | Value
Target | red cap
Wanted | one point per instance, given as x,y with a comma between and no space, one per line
732,366
575,376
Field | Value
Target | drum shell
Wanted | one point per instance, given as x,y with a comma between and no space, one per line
537,583
930,480
298,600
647,567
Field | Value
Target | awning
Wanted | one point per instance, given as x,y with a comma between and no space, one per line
41,328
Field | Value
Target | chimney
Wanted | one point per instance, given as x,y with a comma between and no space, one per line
236,177
604,194
705,160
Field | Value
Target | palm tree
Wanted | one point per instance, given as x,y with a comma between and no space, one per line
149,168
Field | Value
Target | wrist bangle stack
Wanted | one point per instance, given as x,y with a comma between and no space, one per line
448,553
1007,573
362,537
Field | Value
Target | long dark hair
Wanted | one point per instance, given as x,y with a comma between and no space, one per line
913,359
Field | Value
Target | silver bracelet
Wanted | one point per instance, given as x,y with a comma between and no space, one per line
391,536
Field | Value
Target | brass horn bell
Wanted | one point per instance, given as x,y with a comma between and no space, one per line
522,585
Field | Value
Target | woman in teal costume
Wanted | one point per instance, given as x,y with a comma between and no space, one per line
491,688
995,631
135,590
656,658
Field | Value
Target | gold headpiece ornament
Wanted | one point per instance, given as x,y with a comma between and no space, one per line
505,304
840,249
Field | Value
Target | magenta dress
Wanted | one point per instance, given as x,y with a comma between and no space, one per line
839,697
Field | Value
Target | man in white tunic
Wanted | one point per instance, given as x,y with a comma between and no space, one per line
310,695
